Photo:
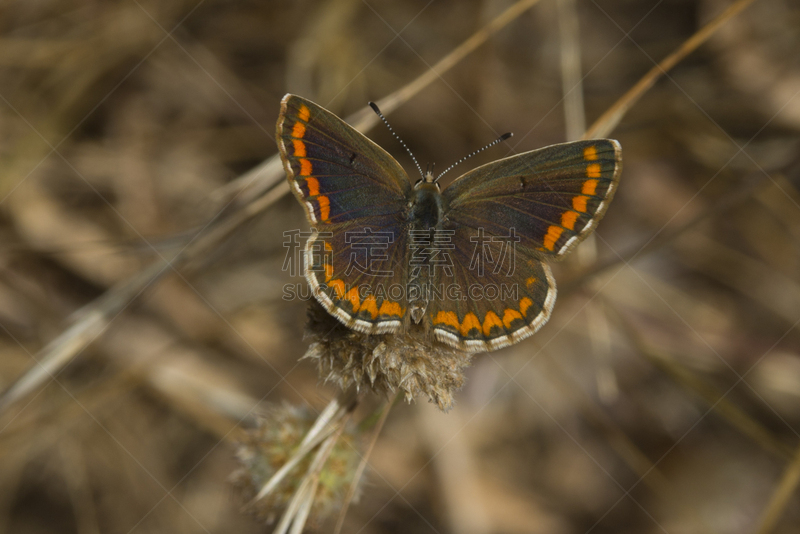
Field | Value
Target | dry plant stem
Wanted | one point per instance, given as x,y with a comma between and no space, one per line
726,203
609,120
575,123
328,422
294,460
620,442
300,496
77,479
326,417
781,495
571,78
305,508
90,323
255,182
776,292
248,187
711,395
216,234
363,464
304,496
94,317
457,474
251,193
367,119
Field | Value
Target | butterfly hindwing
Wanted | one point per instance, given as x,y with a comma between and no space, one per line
498,303
552,197
358,276
354,194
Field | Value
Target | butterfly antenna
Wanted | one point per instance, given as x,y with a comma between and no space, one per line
374,107
498,140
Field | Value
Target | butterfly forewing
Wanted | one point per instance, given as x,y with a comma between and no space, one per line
552,197
354,194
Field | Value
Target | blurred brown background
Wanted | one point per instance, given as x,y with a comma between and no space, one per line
663,396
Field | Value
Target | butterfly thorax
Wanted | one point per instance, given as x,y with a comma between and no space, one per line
426,206
425,222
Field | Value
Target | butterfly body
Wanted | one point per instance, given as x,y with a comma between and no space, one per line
426,206
464,263
425,219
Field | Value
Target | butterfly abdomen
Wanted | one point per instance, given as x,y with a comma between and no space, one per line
425,218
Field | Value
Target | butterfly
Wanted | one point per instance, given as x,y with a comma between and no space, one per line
464,263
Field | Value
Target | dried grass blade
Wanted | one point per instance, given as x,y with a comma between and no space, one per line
781,495
609,120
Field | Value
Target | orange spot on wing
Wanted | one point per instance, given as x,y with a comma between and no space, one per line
304,114
590,153
298,130
553,233
299,148
313,186
510,316
592,171
305,167
530,281
524,304
324,207
328,247
589,186
470,322
352,296
568,219
391,308
490,320
449,318
328,272
370,306
579,203
338,287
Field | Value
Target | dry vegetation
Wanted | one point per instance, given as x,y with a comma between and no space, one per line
663,396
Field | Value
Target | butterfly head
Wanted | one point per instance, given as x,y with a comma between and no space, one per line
429,180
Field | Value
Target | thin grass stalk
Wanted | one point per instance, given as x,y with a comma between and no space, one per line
715,398
305,507
327,423
293,507
781,495
90,323
609,120
351,491
308,487
625,448
396,99
260,179
724,204
571,76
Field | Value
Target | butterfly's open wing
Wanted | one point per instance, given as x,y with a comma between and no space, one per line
505,302
515,212
553,197
354,194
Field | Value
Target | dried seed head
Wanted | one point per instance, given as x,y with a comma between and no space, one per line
267,448
386,363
